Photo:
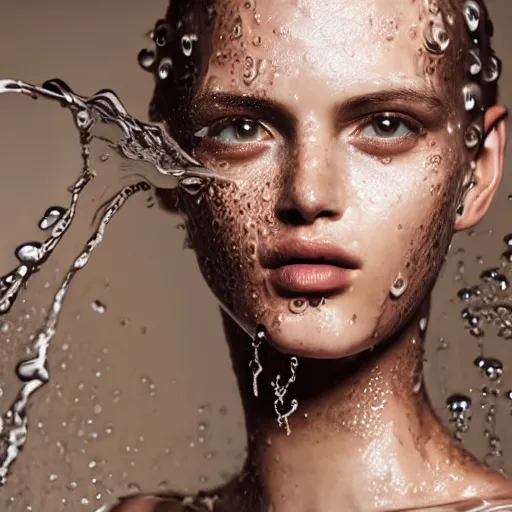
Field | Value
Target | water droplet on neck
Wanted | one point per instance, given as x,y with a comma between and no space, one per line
164,68
298,306
98,307
237,29
146,58
398,287
472,15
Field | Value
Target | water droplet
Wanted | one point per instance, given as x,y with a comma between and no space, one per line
186,44
298,306
475,64
164,68
237,29
472,136
490,367
161,34
146,58
51,216
472,15
471,95
257,41
30,253
192,185
458,404
98,306
436,38
492,70
398,287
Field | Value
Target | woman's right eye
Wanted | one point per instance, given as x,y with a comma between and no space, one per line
237,131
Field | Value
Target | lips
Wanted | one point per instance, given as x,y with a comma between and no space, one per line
299,267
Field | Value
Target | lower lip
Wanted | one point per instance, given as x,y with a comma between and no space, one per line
308,278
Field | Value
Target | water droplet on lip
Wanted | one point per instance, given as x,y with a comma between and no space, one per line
146,58
472,15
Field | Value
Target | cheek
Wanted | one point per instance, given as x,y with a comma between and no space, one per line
224,224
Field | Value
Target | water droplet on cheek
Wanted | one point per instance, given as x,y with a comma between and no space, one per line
398,287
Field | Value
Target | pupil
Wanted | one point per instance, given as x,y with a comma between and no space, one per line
246,129
387,125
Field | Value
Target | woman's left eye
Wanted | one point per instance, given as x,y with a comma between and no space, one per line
389,126
239,131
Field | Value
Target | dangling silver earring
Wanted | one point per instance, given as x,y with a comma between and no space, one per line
255,364
280,392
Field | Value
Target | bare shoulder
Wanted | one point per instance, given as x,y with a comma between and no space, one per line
150,504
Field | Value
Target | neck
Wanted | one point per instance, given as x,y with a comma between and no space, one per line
364,436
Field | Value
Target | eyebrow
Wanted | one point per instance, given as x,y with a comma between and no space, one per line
411,98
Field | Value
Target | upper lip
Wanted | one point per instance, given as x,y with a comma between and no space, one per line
303,251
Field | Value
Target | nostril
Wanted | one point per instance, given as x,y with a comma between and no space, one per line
292,217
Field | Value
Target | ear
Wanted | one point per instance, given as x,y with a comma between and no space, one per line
488,171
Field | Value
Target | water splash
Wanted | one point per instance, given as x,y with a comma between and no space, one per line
100,117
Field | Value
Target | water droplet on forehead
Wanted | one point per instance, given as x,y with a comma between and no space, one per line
164,68
146,58
435,38
472,15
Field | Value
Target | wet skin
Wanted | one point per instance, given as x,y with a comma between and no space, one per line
337,132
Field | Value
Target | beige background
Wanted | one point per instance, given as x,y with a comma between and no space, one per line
143,395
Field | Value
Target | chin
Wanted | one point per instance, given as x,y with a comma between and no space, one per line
319,333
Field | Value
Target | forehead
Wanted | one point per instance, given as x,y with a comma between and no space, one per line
338,42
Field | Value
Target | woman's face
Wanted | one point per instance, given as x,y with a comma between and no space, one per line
340,136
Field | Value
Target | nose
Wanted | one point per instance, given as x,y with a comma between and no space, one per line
312,185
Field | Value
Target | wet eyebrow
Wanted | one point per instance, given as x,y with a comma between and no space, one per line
407,97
